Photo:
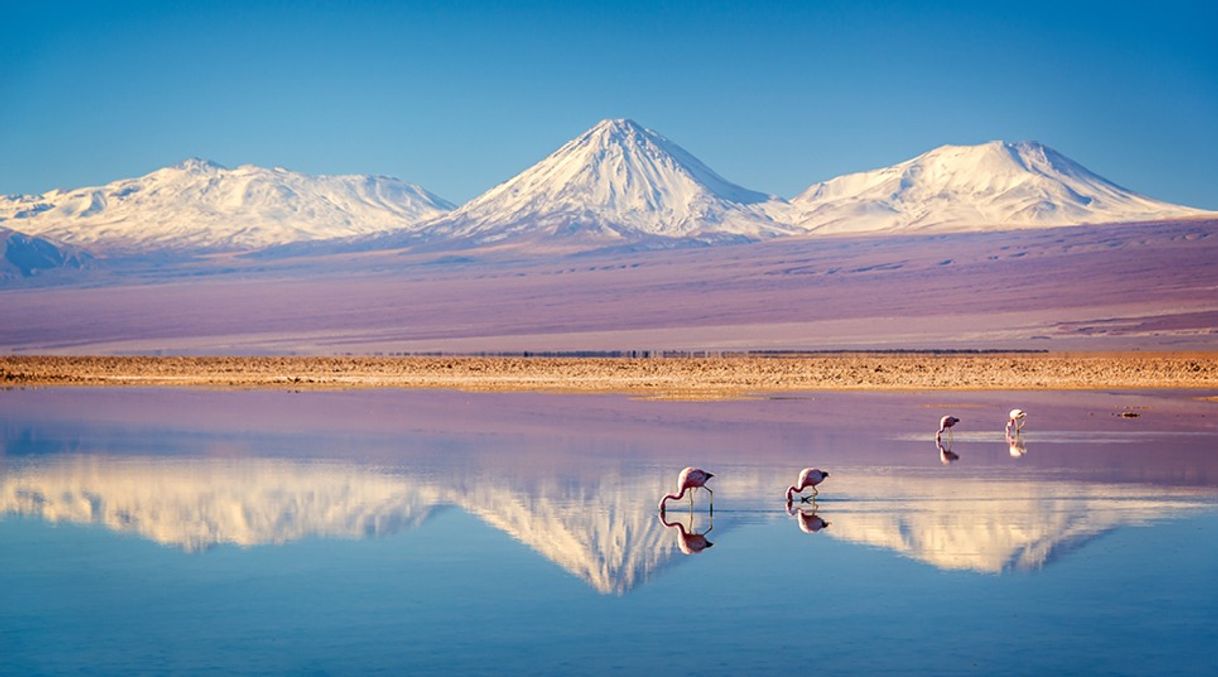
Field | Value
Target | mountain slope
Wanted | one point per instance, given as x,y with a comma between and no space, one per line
615,183
200,205
24,256
952,188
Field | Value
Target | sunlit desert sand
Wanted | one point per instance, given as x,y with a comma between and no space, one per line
679,377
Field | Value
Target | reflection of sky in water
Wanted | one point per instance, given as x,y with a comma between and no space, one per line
457,524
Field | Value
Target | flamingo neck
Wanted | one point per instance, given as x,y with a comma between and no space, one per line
790,491
671,497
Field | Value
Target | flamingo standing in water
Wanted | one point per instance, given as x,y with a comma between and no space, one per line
1016,420
690,480
946,423
808,478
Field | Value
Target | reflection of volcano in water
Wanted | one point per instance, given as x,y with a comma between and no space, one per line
603,530
196,504
993,525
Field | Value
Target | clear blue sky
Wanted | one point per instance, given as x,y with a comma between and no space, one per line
459,96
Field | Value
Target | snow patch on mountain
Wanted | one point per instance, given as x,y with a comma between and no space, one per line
954,188
201,205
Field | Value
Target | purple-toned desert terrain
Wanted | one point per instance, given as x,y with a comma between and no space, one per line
1149,286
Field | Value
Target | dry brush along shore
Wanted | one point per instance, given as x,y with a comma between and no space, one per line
682,377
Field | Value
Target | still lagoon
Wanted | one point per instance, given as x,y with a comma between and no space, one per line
432,531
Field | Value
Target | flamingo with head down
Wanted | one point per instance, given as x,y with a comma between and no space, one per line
808,479
690,480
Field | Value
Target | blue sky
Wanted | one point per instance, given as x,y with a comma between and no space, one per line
459,96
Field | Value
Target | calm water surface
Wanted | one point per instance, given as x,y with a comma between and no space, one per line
196,531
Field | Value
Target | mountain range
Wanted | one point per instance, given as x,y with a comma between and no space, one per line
198,205
617,184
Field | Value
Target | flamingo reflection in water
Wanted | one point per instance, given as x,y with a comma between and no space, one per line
946,455
809,522
690,542
690,480
1016,444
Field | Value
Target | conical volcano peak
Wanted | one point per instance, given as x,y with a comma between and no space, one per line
617,182
617,125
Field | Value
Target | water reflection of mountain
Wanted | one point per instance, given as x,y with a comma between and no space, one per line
602,530
605,532
196,504
992,525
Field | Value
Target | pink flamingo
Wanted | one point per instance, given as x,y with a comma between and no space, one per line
946,423
690,480
689,542
808,478
1016,420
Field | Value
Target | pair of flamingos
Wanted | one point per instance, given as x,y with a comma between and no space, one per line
692,479
1015,422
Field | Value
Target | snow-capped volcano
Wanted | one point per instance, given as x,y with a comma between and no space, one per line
616,182
200,205
953,188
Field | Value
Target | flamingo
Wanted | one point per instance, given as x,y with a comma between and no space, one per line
689,542
808,477
689,480
946,423
1016,420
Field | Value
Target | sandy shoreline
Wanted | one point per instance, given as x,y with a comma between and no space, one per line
683,377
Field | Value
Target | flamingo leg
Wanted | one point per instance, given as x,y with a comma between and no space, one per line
712,499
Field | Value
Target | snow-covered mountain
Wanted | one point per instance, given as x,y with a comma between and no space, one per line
200,205
954,188
615,183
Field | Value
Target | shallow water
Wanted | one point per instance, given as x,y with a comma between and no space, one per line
187,530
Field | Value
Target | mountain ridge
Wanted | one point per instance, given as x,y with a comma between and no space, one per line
617,186
200,205
954,187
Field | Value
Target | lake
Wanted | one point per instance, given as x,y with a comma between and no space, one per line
158,530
